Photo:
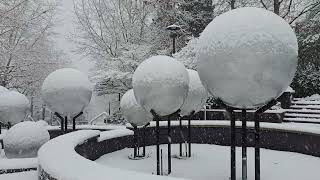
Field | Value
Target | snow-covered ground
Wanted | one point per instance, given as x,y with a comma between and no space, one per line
211,162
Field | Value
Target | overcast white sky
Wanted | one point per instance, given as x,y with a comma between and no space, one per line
65,26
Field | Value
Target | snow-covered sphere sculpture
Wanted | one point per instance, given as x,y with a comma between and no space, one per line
66,91
132,111
24,139
161,83
197,95
247,57
3,90
43,123
14,107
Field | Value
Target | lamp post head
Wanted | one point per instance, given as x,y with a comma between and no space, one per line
173,27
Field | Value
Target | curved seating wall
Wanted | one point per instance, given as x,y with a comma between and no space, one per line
70,156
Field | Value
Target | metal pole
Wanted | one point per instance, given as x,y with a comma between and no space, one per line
156,117
144,142
233,145
180,144
244,144
169,145
74,120
65,123
174,44
31,108
161,163
189,132
134,141
43,112
257,147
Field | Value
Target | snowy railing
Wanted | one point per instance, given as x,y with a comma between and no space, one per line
98,116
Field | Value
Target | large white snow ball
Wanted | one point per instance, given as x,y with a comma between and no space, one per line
3,90
247,57
42,123
161,83
14,107
132,111
197,95
67,91
24,139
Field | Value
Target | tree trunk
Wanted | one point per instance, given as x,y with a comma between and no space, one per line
276,7
232,4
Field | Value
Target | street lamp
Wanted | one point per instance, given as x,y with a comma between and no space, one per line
173,34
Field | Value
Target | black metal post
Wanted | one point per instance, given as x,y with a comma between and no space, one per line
174,44
66,124
257,137
144,139
257,146
189,132
0,128
74,120
169,145
180,143
233,145
244,144
156,117
161,164
135,141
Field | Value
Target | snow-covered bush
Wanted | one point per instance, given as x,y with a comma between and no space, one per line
246,61
161,83
197,95
132,111
66,91
14,107
24,139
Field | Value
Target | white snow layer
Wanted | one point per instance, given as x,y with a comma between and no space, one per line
42,123
18,163
114,134
161,83
132,111
3,89
67,91
59,159
24,139
28,175
212,162
14,107
197,94
247,57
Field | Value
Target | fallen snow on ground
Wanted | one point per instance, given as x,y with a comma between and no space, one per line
211,162
30,175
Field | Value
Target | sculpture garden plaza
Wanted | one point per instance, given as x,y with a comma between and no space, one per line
193,90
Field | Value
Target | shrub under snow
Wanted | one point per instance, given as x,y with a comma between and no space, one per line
161,83
132,111
24,139
67,91
247,57
14,107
